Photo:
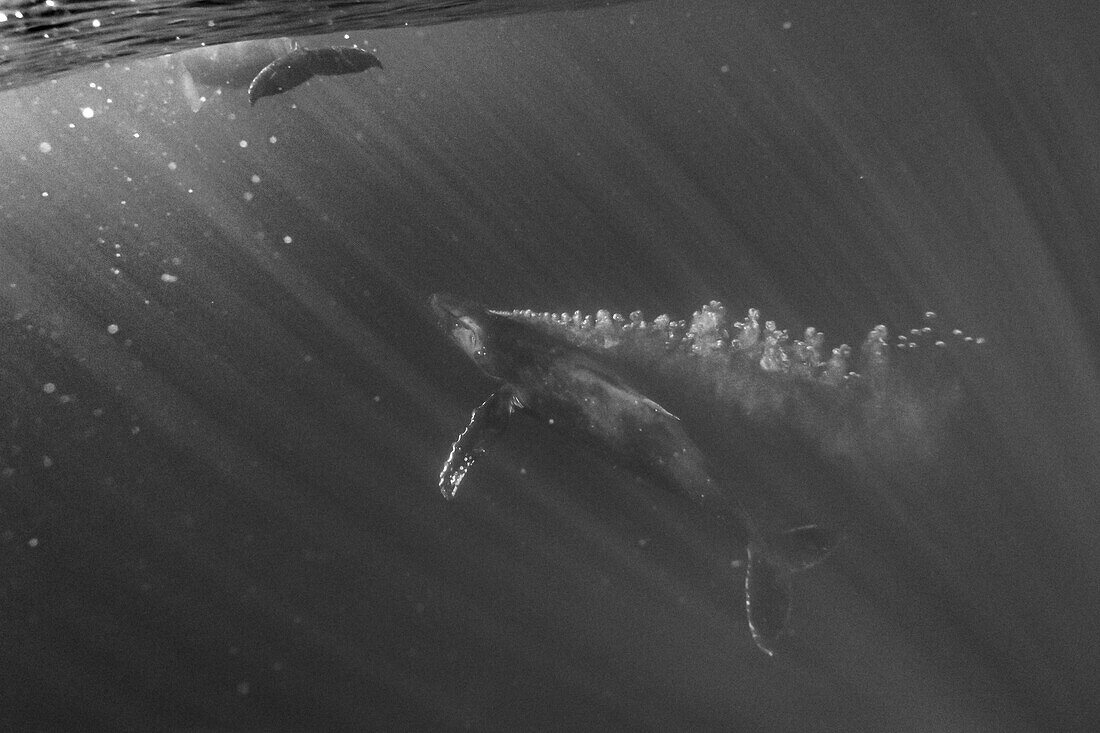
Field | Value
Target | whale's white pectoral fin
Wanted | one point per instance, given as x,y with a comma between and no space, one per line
486,424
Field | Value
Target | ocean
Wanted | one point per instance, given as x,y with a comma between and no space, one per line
226,401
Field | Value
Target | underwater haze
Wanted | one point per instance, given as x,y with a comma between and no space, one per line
225,401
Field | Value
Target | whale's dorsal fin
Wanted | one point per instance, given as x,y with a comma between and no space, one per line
486,424
586,365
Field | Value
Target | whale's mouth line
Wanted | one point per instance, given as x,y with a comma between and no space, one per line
450,313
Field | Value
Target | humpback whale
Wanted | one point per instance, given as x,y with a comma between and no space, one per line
302,64
549,372
265,67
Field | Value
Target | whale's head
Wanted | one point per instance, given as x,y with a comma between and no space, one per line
468,325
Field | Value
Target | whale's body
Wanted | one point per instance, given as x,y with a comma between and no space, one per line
302,64
265,67
577,391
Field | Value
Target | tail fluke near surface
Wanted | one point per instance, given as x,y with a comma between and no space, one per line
768,578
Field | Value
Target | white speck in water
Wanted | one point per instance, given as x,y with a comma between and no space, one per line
49,387
172,165
243,687
47,462
87,112
287,239
243,143
787,25
44,147
32,542
169,278
112,329
724,68
247,195
255,178
273,139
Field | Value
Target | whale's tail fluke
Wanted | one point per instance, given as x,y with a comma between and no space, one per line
768,578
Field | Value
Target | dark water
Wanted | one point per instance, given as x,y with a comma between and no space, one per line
225,404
